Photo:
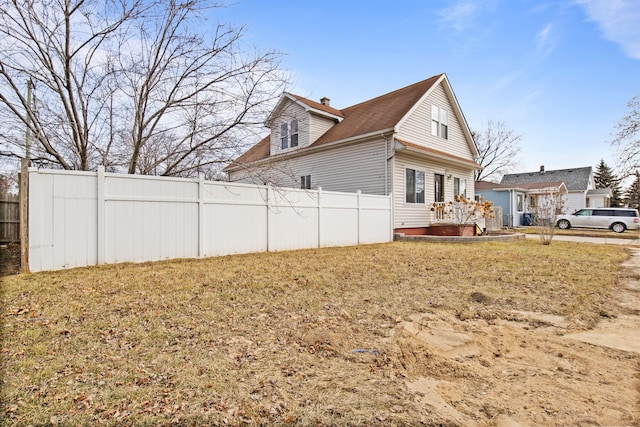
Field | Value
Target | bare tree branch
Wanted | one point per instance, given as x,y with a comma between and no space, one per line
627,140
498,148
141,86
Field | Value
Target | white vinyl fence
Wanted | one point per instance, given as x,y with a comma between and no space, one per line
88,218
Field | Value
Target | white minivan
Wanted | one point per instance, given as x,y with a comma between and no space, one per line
616,219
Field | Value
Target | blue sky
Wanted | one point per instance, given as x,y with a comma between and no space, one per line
559,73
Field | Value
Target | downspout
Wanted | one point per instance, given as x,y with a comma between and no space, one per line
386,163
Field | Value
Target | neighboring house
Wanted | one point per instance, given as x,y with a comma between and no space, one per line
582,192
413,143
519,202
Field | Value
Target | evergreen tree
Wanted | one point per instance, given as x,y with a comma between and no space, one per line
632,196
605,178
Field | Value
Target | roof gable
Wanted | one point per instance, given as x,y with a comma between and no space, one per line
576,179
307,104
443,81
377,115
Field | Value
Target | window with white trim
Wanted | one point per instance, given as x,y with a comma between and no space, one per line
460,187
520,202
305,182
289,134
294,133
414,186
284,135
439,122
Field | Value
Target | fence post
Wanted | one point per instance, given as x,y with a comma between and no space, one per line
24,215
201,234
101,200
359,193
319,217
391,215
269,205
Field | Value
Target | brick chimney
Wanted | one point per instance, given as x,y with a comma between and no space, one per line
325,101
541,168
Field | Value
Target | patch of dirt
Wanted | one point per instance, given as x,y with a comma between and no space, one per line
9,259
621,332
523,369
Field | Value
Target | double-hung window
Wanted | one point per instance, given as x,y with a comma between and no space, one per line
439,122
294,133
460,187
289,134
414,186
284,135
305,182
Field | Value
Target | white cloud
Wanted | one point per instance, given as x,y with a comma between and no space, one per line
619,21
459,15
545,40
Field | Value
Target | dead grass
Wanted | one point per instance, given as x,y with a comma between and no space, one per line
266,338
586,232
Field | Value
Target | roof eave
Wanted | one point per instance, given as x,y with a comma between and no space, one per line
322,113
402,146
310,149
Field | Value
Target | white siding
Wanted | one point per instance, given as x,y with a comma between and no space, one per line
347,168
417,127
573,201
318,126
408,215
289,112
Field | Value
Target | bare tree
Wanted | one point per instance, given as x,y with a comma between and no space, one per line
498,146
141,86
546,208
627,139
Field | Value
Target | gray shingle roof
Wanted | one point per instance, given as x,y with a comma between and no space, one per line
576,179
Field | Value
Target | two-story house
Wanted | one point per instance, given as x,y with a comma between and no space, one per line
413,143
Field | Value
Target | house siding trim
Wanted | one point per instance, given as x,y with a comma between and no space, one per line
430,152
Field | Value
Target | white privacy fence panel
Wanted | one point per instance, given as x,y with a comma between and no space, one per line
62,220
88,218
373,214
149,218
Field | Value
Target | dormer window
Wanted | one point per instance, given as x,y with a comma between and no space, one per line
439,122
289,134
284,135
294,133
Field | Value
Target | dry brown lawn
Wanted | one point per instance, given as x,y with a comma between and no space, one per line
586,232
318,337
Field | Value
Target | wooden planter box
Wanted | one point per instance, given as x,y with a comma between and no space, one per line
451,230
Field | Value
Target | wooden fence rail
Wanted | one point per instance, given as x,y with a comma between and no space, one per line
9,218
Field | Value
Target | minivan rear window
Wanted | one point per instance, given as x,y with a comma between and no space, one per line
628,212
603,212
